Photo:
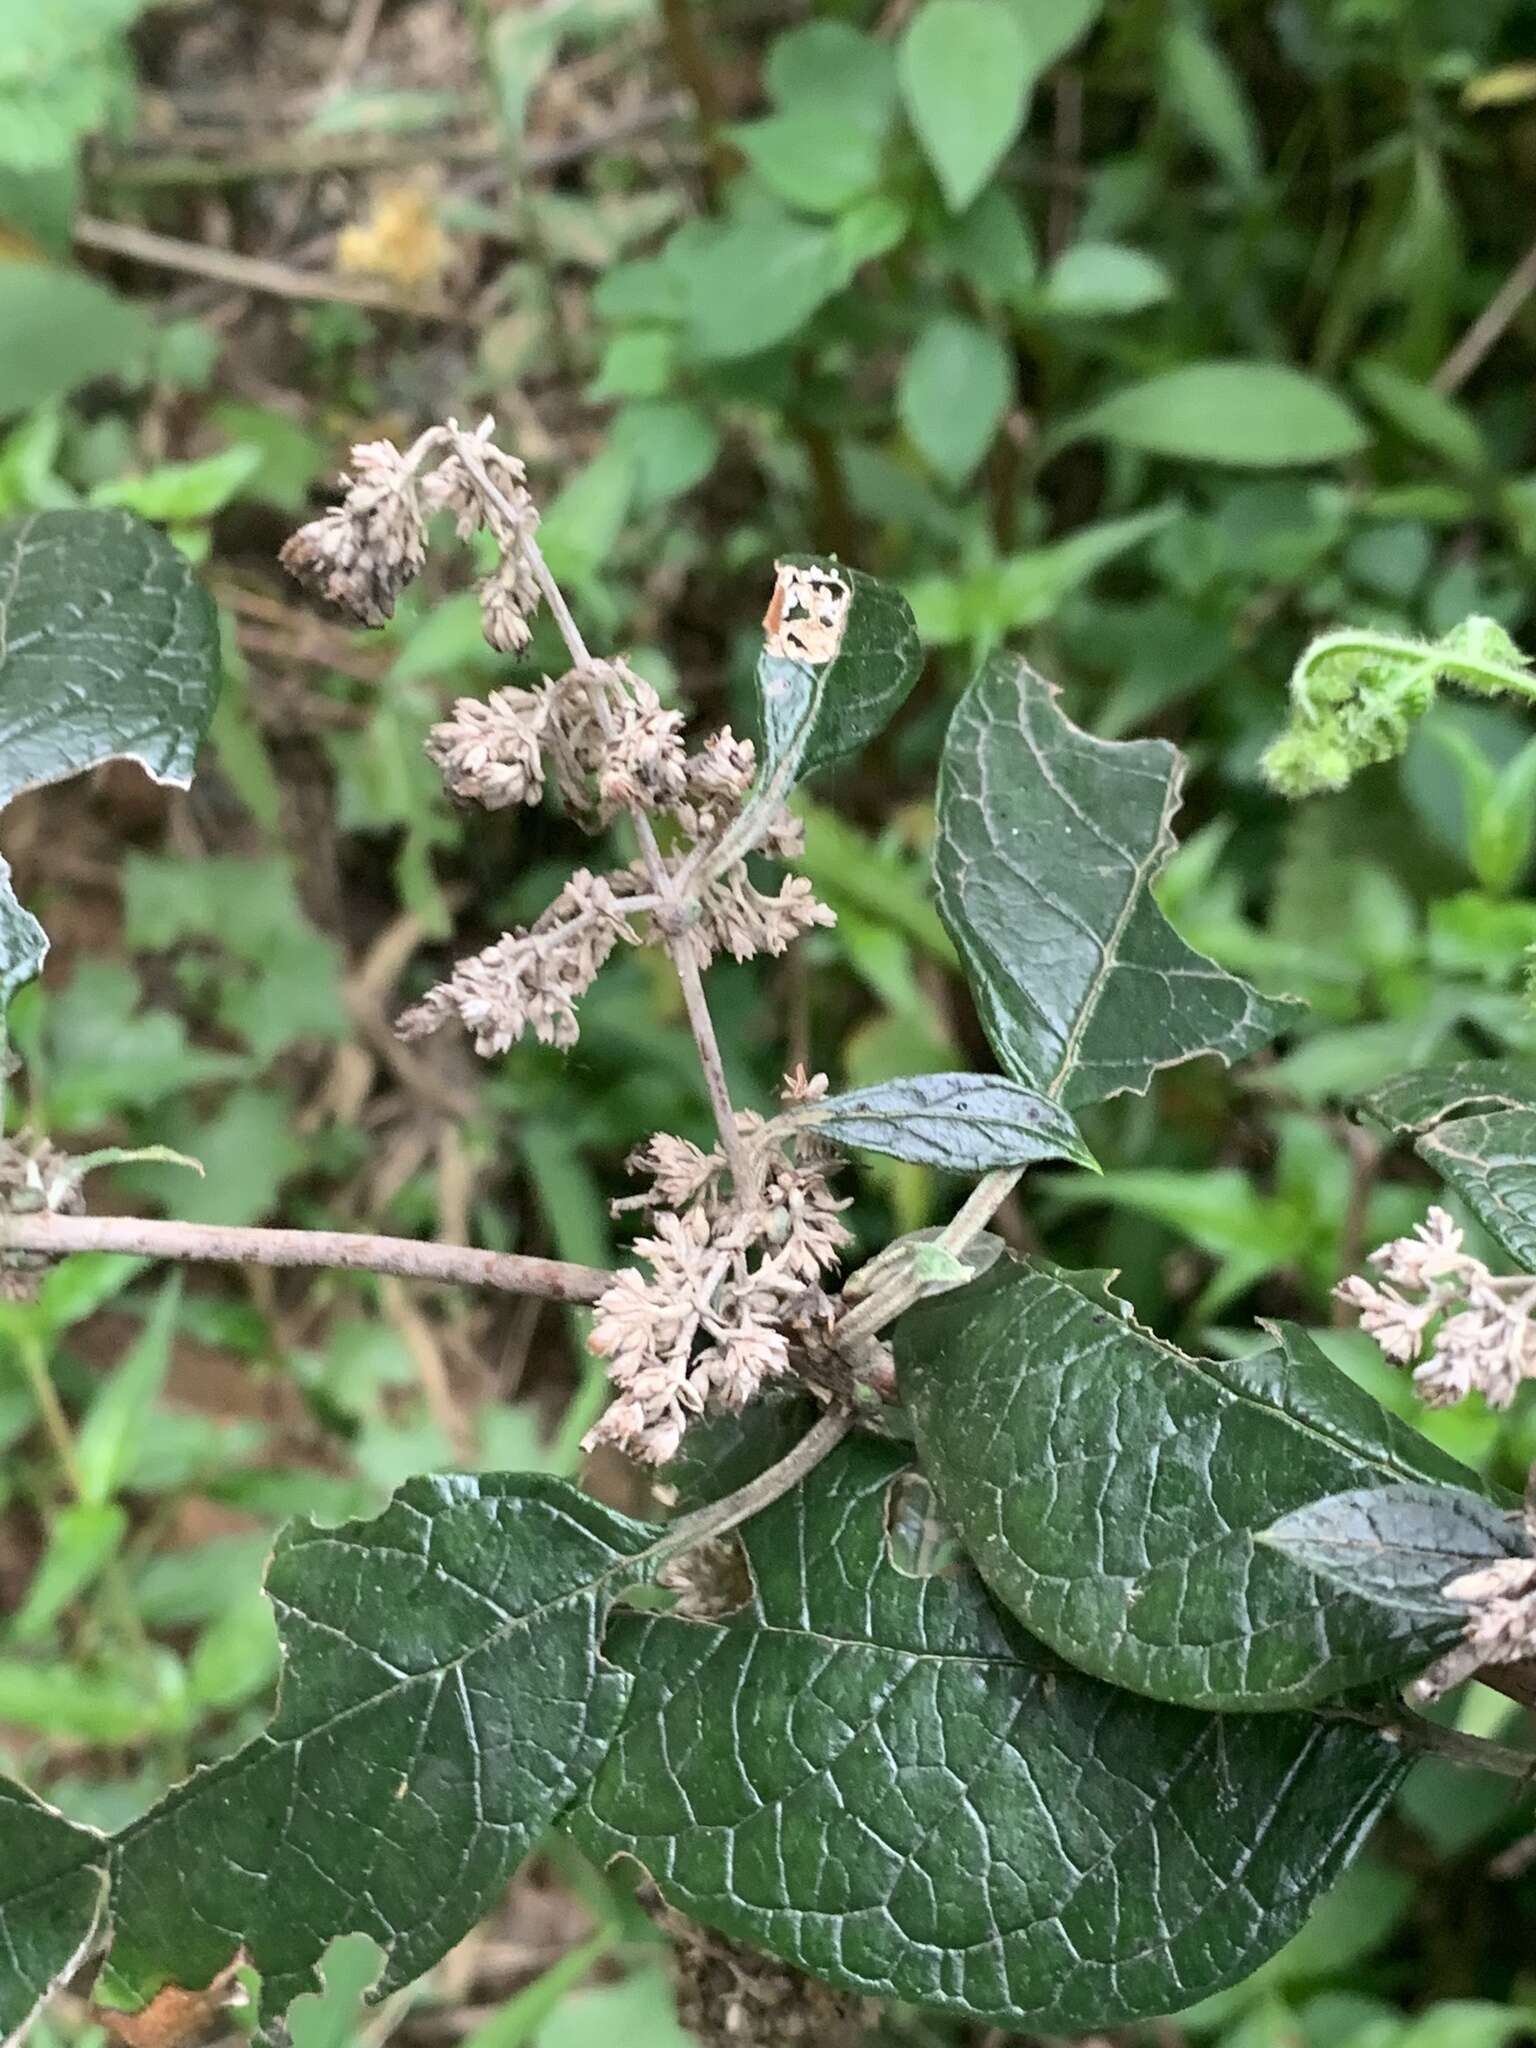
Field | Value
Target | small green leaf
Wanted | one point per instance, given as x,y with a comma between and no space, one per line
444,1697
751,284
1113,1491
1208,96
880,1779
1424,415
108,650
815,157
184,490
810,717
966,69
955,387
1048,843
671,444
1398,1544
965,1123
51,1895
1248,415
62,329
82,1540
1098,280
118,1420
837,68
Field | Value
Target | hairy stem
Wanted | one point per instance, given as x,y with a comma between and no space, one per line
225,1244
1465,668
1428,1738
823,1436
894,1296
664,885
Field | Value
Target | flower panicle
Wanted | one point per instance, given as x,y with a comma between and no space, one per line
1439,1309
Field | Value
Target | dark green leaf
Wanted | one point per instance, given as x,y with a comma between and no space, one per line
881,1779
1049,841
1397,1544
1418,1101
966,1123
51,1895
811,716
1490,1161
1112,1490
443,1698
1252,415
965,68
108,650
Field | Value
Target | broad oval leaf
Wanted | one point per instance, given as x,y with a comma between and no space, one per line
51,1895
955,387
1113,1490
1049,841
1399,1544
965,1123
880,1778
966,68
443,1698
1490,1160
1419,1101
812,715
109,651
1249,415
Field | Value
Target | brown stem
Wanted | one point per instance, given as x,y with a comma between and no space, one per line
691,58
1487,330
1428,1738
351,1251
836,526
823,1436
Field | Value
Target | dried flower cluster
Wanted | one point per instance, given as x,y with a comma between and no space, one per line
1501,1624
360,555
34,1175
609,745
741,1236
1469,1329
732,1270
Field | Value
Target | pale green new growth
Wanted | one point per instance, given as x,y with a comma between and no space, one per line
1356,697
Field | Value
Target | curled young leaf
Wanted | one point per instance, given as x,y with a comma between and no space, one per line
109,650
878,1777
1049,841
965,1123
1114,1491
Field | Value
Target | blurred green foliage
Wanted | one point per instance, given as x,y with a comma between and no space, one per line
1153,336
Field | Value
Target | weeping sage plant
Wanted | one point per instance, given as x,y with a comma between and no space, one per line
1090,1767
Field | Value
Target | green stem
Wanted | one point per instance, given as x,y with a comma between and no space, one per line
1444,661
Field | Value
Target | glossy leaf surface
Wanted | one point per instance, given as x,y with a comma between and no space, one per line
51,1892
108,651
812,716
1049,841
882,1779
443,1698
1398,1544
1112,1490
965,1123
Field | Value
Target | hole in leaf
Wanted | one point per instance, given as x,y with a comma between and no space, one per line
917,1541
